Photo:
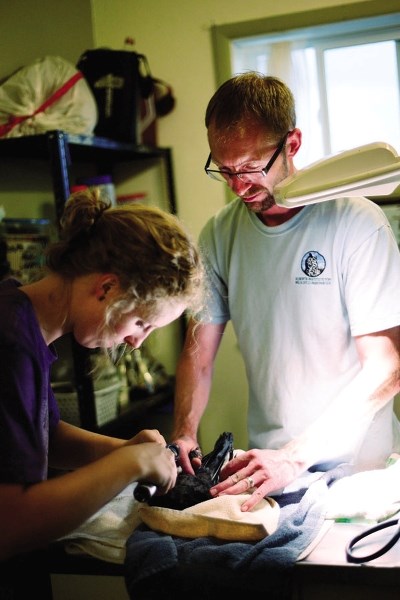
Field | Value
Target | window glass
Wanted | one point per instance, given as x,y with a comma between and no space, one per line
345,78
363,94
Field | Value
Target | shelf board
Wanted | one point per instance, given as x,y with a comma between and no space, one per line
81,147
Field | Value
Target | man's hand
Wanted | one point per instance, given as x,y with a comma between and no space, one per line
259,471
190,454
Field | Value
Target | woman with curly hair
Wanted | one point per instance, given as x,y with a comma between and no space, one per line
116,274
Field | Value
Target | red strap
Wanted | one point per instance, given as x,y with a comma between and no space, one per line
13,120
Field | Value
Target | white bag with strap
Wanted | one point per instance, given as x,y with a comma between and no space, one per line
46,95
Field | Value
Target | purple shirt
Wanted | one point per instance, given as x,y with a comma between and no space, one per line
28,409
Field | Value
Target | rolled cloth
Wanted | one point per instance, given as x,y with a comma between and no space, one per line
219,517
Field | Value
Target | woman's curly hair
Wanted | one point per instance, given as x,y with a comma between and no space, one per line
148,249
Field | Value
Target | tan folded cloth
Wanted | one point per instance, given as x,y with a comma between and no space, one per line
220,517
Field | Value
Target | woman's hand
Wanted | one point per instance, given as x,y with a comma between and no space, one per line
147,435
155,463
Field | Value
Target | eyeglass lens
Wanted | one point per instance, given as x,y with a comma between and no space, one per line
224,175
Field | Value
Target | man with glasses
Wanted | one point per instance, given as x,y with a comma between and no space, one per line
313,296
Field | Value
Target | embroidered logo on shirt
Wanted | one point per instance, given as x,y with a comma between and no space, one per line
313,264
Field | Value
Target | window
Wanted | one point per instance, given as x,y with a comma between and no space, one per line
345,78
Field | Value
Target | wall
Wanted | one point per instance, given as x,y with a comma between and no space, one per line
32,29
176,38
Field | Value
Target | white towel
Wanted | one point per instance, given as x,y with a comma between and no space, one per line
369,496
104,534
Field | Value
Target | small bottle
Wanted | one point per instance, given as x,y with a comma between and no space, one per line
105,185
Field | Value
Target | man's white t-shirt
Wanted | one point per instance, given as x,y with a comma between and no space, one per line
297,294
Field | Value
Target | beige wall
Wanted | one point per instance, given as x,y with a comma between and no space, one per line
175,35
31,29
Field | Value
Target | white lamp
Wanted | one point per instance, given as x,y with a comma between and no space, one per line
370,170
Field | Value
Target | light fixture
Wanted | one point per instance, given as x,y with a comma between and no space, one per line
369,170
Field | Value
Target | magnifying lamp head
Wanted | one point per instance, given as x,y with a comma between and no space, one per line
369,170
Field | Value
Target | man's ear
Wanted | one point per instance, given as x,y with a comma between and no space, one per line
293,143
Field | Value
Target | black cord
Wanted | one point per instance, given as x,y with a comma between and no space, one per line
362,559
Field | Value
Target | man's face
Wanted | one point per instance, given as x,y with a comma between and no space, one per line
249,149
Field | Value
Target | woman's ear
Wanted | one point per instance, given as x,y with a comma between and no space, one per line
104,285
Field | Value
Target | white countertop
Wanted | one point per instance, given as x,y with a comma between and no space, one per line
330,549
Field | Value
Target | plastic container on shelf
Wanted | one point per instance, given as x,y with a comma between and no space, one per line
140,197
104,183
26,240
78,188
106,403
107,387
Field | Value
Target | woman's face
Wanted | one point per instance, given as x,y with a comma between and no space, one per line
132,328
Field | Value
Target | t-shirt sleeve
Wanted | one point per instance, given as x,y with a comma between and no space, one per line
27,413
373,282
216,309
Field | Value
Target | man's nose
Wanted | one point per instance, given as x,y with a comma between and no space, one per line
238,186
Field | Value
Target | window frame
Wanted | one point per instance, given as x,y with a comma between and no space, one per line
222,36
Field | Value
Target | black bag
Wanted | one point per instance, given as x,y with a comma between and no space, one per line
124,91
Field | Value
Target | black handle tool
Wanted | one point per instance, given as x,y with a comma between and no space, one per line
144,491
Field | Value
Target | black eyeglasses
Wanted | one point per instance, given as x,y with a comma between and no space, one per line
224,175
